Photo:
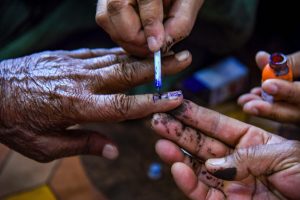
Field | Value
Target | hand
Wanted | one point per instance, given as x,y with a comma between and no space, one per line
285,110
45,93
242,161
140,26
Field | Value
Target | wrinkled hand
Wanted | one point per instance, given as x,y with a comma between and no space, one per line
285,110
45,93
139,25
231,159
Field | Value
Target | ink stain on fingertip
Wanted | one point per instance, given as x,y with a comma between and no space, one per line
169,96
226,174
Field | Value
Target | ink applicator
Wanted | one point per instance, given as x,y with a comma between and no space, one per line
157,71
277,68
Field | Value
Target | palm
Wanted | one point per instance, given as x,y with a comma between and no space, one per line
207,134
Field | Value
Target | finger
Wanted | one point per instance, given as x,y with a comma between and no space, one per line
120,107
213,124
242,100
278,111
171,153
136,50
262,58
82,142
91,53
105,61
122,76
188,182
180,20
122,15
256,90
73,142
258,161
283,90
103,20
294,59
151,14
193,141
168,151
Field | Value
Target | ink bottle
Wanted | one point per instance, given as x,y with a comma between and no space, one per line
277,68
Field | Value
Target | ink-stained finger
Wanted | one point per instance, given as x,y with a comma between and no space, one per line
120,107
242,100
213,124
120,77
188,138
279,111
180,20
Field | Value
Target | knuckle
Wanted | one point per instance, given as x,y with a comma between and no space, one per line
127,73
149,21
240,154
101,19
115,6
122,104
145,2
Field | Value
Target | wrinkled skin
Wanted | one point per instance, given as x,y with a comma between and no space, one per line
229,159
287,106
153,24
43,94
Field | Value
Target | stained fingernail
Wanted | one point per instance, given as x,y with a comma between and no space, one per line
110,152
152,43
182,56
168,96
226,174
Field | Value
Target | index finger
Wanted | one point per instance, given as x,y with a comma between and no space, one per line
151,13
180,20
212,123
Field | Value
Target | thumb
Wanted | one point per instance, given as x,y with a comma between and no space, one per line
257,161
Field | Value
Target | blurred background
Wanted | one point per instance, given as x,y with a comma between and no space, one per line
235,32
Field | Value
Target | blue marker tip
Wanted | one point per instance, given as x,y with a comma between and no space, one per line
157,70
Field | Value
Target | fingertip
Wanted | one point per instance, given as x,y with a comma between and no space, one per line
262,58
184,177
168,151
270,86
110,152
250,108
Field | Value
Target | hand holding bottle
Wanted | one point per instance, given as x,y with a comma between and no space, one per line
286,108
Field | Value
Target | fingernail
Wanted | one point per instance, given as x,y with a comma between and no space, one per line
169,96
181,56
152,43
226,174
110,152
216,161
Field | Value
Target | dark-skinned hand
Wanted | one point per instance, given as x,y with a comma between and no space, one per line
228,159
43,94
